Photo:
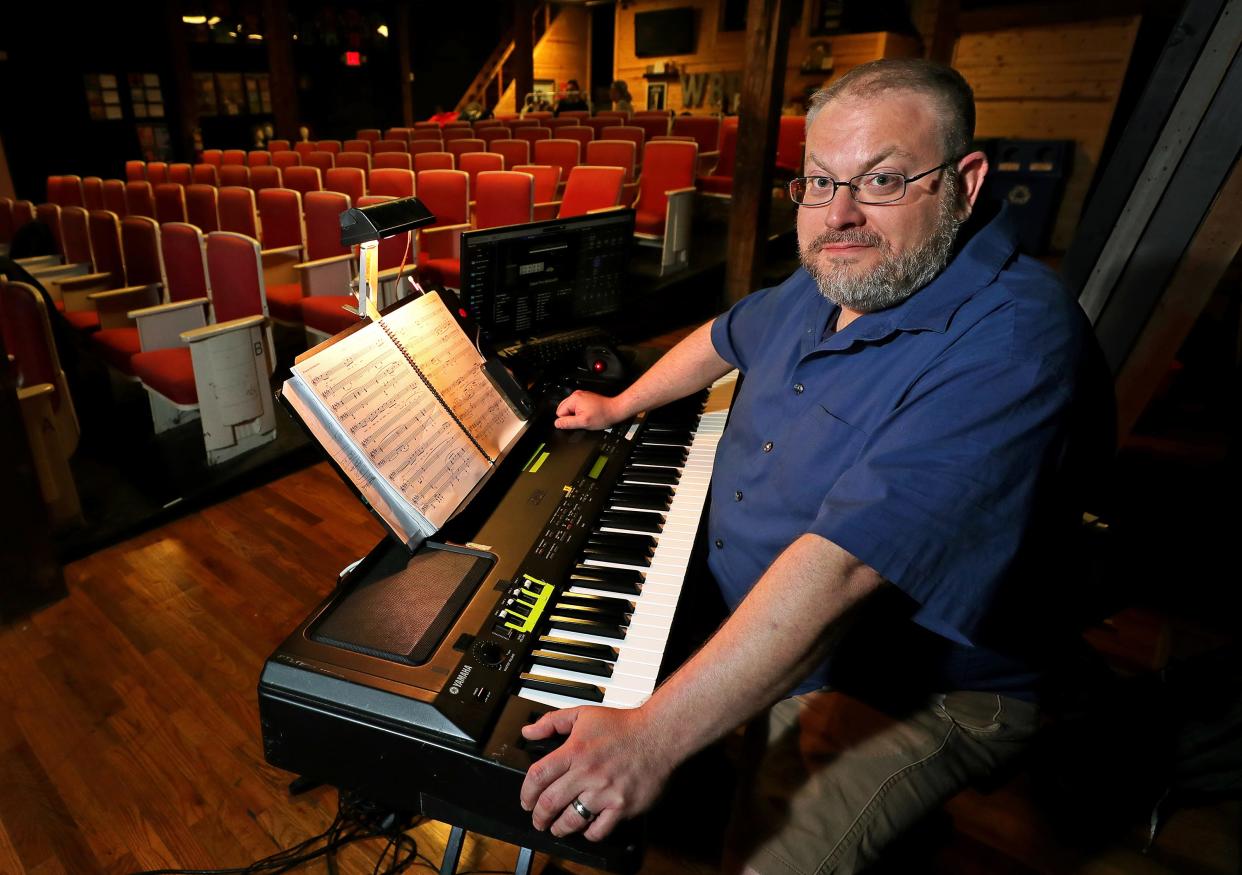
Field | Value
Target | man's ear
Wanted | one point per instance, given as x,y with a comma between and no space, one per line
972,170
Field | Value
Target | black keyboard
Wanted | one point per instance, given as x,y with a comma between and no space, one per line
536,355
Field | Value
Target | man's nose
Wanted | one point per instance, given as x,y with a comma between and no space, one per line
843,211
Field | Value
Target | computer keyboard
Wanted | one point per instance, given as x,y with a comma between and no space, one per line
537,355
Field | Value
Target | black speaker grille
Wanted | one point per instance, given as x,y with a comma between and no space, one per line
403,616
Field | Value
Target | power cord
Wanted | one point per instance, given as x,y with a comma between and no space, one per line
356,820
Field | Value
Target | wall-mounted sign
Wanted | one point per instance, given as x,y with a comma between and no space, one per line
715,90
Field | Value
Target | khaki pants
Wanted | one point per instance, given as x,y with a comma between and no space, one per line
834,781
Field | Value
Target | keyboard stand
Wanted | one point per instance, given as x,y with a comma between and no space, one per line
452,855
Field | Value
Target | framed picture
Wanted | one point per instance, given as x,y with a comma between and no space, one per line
655,95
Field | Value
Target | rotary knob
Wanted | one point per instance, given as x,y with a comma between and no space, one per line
488,653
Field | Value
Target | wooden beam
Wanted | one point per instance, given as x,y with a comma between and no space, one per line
944,32
767,44
1209,255
284,80
523,52
405,63
186,107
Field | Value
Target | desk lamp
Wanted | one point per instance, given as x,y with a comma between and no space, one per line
366,226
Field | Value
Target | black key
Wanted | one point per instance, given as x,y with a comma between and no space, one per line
651,475
634,520
618,555
580,648
588,627
643,490
593,581
621,575
674,456
598,615
644,502
573,689
620,539
572,663
624,606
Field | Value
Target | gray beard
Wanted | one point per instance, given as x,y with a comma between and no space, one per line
895,278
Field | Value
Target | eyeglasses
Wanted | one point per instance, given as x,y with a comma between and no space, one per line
866,188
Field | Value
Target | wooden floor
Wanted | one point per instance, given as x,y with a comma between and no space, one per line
129,730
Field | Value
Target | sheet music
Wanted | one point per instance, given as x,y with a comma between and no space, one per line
450,361
382,498
365,384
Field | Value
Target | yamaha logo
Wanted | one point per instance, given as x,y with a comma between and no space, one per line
460,680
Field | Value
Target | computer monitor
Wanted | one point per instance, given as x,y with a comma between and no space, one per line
522,281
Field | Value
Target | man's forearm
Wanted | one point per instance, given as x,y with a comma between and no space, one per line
774,638
688,367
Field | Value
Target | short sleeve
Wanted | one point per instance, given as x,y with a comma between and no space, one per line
943,490
739,332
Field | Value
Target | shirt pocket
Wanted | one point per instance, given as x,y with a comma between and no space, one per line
841,440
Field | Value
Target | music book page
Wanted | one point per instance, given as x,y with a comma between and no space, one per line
409,447
453,365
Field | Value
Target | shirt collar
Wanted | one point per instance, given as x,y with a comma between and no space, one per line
985,251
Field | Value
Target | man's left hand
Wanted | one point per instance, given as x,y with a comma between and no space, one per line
610,764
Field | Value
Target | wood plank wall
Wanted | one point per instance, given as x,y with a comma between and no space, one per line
563,53
1058,81
717,51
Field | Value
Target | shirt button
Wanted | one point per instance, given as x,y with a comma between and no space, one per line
719,544
767,448
798,387
737,496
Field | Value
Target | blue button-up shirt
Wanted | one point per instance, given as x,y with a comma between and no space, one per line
921,439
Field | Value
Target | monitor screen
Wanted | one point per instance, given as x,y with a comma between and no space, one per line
521,281
664,32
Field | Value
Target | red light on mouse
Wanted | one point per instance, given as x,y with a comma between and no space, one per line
599,365
461,311
353,59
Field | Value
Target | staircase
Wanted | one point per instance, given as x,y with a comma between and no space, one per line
497,72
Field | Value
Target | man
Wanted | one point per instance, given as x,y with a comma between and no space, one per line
572,101
893,481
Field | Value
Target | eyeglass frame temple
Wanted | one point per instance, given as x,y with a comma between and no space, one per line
849,183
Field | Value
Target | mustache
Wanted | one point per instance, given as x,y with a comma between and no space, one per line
853,236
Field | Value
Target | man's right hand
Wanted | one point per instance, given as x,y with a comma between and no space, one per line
587,410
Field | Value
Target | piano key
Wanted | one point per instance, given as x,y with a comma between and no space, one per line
644,502
650,475
615,539
638,521
601,629
571,662
602,652
633,558
569,689
593,614
623,699
603,601
599,584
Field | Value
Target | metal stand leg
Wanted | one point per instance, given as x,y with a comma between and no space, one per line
525,858
452,851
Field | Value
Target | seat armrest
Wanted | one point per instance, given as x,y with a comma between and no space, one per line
167,308
546,210
294,250
88,282
279,264
326,276
114,305
679,192
598,210
196,335
36,261
160,327
324,262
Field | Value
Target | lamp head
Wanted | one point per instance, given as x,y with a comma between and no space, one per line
365,224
